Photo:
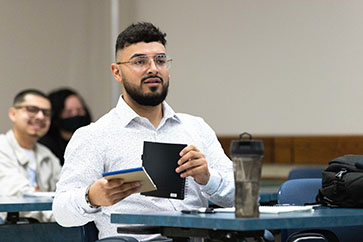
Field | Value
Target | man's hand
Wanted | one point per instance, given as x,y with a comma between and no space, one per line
193,163
108,192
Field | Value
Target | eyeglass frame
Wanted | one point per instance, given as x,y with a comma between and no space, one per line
45,111
167,61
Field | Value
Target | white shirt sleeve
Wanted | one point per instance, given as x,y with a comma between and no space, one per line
80,170
70,208
220,187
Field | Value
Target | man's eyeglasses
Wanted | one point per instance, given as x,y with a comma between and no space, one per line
142,62
34,110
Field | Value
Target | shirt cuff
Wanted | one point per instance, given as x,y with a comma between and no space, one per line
213,184
83,203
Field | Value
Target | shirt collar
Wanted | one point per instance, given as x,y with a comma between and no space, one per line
18,151
127,114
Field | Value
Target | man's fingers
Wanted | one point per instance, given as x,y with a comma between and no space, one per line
122,195
188,149
191,155
189,161
121,192
124,188
113,183
192,171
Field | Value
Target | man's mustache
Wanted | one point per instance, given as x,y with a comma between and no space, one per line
35,122
152,77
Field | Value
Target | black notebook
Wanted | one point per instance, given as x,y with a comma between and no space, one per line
160,161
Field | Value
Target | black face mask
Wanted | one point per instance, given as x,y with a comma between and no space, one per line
73,123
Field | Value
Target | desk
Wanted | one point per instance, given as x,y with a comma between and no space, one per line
24,204
328,217
13,205
34,232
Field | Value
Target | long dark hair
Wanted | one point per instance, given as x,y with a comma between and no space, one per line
57,99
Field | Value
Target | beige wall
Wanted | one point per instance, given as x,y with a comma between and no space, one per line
268,67
50,44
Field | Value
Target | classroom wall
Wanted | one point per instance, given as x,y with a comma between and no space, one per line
268,67
50,44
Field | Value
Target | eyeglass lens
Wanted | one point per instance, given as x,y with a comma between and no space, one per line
35,110
144,61
159,60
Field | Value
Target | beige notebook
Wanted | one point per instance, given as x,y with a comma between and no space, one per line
131,175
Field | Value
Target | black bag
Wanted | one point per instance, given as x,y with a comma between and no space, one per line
342,183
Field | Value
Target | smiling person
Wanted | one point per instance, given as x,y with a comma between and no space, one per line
25,165
69,112
115,142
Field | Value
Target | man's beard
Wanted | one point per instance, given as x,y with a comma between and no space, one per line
151,99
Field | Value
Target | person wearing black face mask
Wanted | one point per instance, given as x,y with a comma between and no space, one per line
73,123
69,112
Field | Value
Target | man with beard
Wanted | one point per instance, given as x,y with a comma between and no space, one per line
25,165
115,142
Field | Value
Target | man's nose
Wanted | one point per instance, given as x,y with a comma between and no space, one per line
152,68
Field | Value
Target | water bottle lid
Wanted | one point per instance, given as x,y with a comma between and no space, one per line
246,146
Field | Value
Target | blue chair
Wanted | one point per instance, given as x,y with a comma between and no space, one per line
300,192
90,234
305,172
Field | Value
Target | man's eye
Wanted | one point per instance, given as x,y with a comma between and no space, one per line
32,109
161,61
140,62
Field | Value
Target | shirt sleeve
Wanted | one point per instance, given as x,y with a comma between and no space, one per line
80,170
220,187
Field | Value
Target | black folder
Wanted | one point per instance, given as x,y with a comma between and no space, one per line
160,161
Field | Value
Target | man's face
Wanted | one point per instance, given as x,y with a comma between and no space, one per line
27,119
147,84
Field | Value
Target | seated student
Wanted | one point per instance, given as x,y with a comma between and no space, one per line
25,165
69,112
115,142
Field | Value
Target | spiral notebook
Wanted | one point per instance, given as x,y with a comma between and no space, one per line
160,161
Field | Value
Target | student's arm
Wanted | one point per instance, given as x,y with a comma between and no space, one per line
82,167
220,186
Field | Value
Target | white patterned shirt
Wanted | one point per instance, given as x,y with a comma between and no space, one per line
115,142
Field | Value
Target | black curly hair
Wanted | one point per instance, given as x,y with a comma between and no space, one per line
140,32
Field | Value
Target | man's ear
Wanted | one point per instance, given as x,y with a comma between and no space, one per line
116,72
12,113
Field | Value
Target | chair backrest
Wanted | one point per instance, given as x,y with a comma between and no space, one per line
299,191
313,236
89,232
302,191
305,172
